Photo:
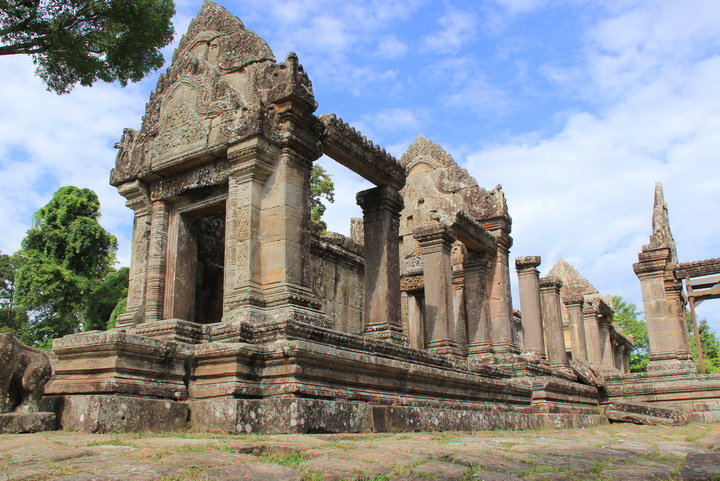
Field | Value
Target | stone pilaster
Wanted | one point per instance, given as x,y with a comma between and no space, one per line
475,265
574,308
499,297
435,246
138,199
157,256
530,307
552,317
381,220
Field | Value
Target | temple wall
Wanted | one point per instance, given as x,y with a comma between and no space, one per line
338,277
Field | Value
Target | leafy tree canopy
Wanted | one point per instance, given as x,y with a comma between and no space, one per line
83,41
65,272
321,187
710,345
628,317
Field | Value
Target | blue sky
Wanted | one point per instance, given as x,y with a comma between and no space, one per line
576,107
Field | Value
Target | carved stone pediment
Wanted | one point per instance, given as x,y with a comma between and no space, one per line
219,90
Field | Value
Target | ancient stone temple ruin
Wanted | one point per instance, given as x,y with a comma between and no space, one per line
671,377
242,318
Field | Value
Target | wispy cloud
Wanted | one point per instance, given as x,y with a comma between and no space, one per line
457,27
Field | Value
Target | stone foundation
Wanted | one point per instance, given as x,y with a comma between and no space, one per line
27,422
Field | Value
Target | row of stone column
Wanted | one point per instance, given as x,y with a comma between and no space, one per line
590,326
472,315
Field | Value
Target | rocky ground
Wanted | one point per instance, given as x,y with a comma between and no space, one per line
613,452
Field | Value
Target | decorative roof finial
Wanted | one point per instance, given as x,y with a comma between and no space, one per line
661,237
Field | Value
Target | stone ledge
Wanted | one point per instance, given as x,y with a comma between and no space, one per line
27,422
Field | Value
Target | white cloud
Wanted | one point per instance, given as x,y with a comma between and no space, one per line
457,28
389,46
585,194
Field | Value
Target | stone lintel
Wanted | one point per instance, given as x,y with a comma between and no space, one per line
527,264
350,148
698,268
472,234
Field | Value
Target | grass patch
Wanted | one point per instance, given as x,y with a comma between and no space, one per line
291,460
117,441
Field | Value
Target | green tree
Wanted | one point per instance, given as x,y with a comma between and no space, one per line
321,186
710,345
104,299
83,41
65,259
628,318
11,319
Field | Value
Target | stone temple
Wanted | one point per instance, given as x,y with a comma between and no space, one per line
241,318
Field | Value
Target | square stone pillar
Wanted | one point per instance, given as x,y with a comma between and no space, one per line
618,356
592,333
574,308
500,309
157,257
253,163
138,199
676,302
435,246
606,343
552,317
382,313
530,307
665,332
475,265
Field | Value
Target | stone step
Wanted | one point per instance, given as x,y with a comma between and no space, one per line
647,413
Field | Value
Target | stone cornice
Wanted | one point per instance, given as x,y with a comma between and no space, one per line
527,264
380,199
551,283
472,233
698,268
350,148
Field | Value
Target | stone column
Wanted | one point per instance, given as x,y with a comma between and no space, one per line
618,355
606,343
253,162
435,246
498,291
626,359
381,219
676,309
157,258
530,307
592,333
574,307
478,328
552,317
138,199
